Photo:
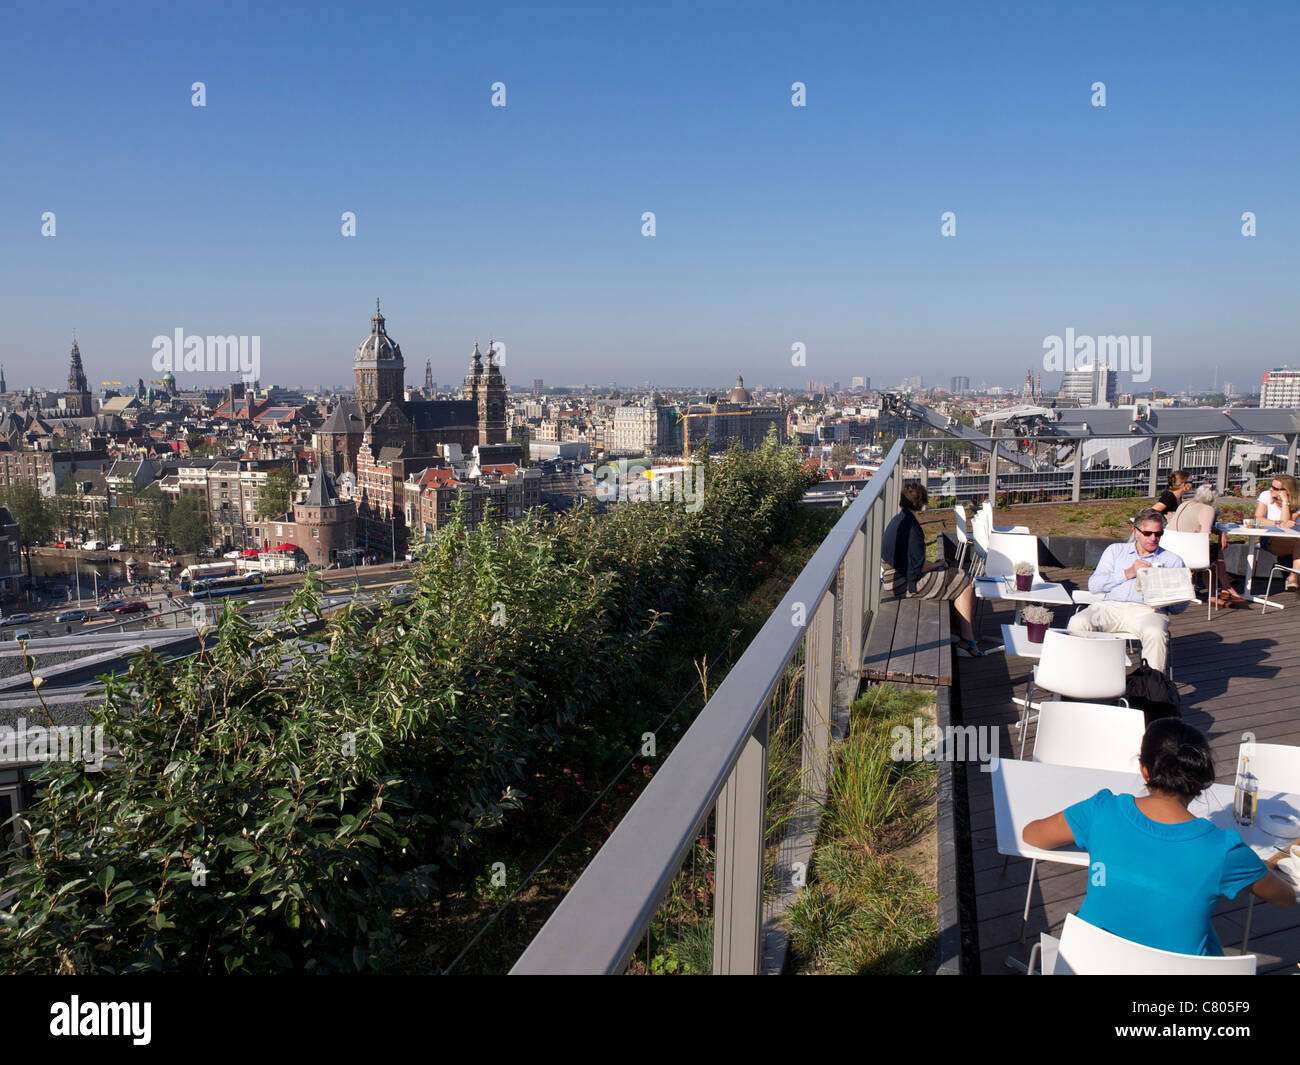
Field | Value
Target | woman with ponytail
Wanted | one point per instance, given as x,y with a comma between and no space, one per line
1155,870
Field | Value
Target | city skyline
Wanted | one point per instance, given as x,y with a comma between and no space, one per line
799,168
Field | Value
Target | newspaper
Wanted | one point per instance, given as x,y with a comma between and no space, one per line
1165,585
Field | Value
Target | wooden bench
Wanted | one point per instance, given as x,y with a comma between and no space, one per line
910,642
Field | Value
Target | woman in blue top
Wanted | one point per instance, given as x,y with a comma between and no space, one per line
1157,871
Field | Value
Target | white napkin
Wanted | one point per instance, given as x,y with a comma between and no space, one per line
1289,870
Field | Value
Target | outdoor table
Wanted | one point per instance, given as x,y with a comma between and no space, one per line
1025,791
1252,535
1005,588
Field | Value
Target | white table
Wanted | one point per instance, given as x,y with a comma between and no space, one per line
1025,791
1005,588
1015,638
1252,535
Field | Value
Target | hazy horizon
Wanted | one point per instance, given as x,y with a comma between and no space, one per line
812,229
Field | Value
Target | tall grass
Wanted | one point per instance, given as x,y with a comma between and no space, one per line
864,910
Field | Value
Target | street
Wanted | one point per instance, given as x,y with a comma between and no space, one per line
280,589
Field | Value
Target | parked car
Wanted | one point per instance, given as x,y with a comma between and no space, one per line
62,543
16,619
23,634
116,547
110,606
134,607
72,615
93,545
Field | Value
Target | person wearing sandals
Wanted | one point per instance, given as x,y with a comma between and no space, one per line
1198,515
907,574
1277,506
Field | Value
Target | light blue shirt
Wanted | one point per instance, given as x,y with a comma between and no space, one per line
1157,883
1109,577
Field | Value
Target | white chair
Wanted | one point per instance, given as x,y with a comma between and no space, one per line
1268,589
964,553
1090,735
1084,598
1085,950
1275,767
979,529
988,508
1005,550
1088,667
1194,550
959,513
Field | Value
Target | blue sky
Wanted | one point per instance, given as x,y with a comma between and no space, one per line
774,224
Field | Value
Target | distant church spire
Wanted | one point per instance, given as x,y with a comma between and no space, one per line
2,378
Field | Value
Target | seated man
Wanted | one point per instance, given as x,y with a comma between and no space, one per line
1123,609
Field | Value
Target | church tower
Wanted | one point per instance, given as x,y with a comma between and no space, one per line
77,397
378,368
428,378
491,402
474,379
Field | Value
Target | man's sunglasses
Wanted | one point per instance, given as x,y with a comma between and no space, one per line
1157,533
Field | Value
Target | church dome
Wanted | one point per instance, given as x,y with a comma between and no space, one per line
378,346
739,394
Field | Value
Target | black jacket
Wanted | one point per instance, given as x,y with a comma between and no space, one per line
903,547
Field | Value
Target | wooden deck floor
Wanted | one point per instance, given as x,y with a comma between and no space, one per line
1236,673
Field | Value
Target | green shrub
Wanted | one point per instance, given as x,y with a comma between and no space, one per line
320,785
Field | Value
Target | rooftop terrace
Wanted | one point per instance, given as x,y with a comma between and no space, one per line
1233,676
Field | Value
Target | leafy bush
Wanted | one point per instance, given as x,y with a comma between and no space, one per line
274,800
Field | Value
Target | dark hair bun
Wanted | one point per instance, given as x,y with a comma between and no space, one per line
1177,758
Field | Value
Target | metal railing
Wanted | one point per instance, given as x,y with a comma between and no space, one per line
1202,456
744,786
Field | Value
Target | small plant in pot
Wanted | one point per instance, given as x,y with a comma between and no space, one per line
1024,576
1037,618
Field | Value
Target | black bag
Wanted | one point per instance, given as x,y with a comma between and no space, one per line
1153,693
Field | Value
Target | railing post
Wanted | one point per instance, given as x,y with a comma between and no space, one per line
1153,482
738,879
819,695
855,569
1222,482
875,531
1291,454
1178,453
993,472
1078,471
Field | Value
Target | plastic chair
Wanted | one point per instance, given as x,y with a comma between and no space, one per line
1268,589
988,508
1276,767
1087,667
1005,550
1084,599
963,538
1085,950
1194,550
1091,735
